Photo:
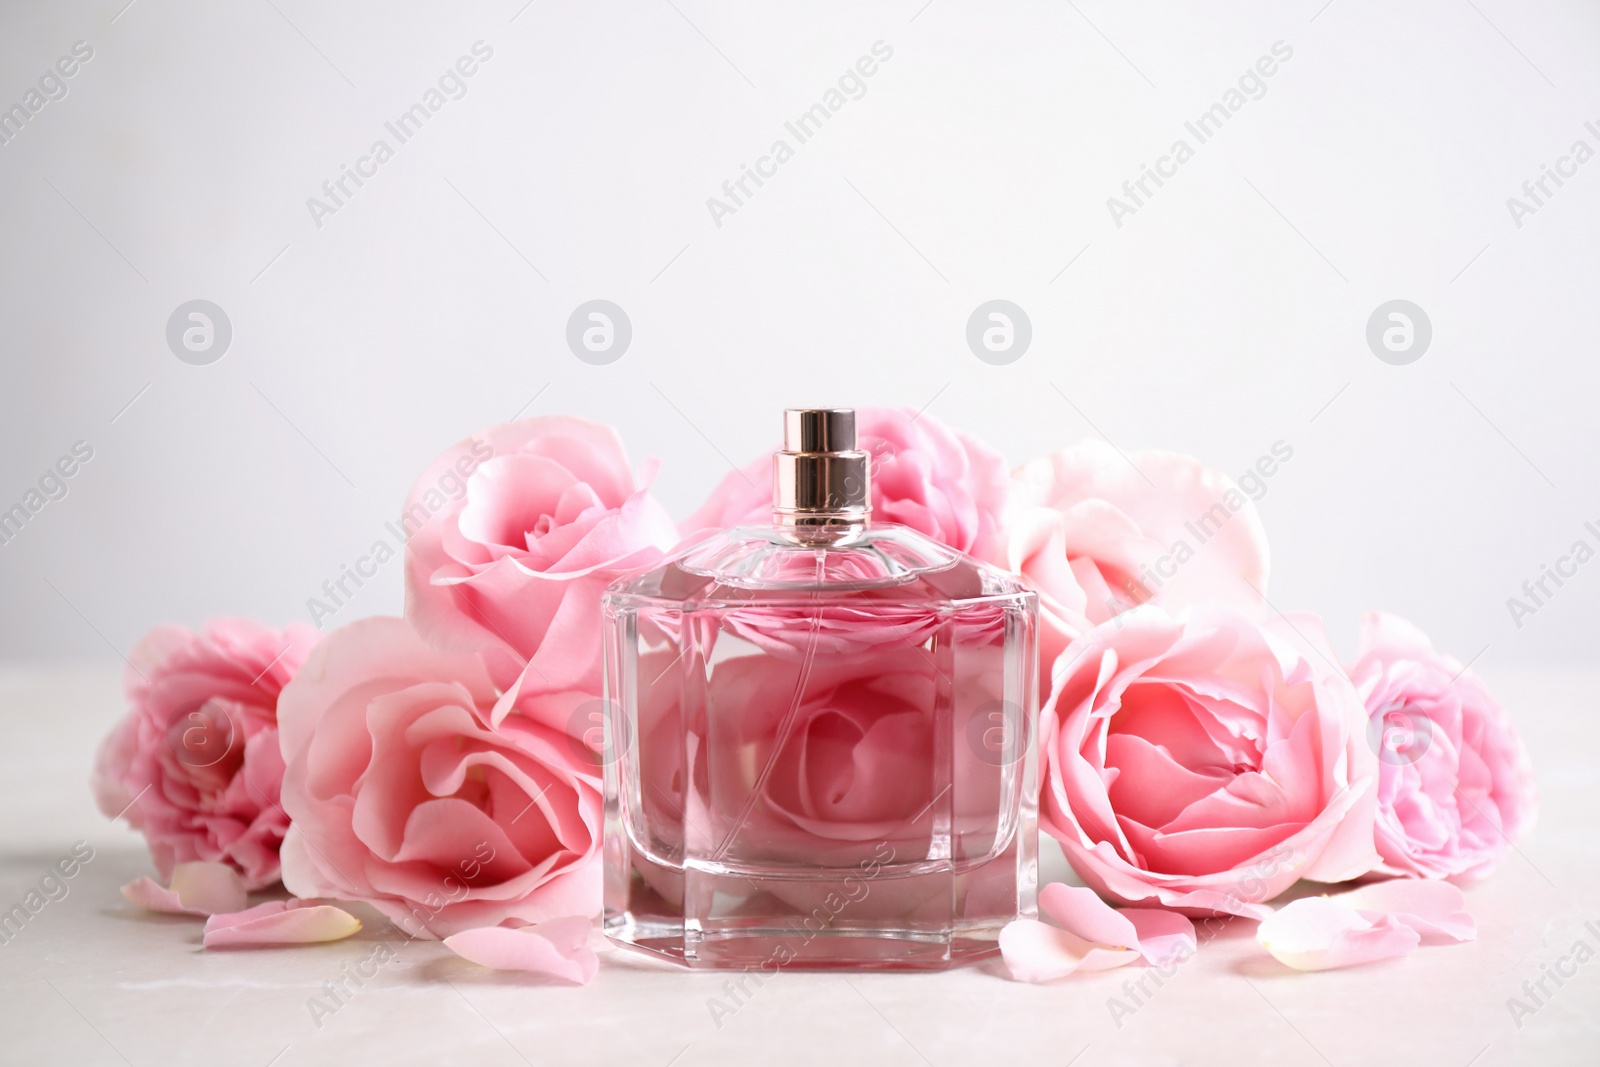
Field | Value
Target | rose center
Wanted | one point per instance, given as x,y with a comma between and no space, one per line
208,744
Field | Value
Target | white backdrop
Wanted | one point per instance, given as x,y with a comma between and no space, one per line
1225,312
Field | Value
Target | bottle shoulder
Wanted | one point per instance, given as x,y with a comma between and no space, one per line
884,563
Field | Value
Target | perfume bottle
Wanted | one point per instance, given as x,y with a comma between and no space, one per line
820,736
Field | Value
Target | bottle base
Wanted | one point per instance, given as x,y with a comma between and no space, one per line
762,946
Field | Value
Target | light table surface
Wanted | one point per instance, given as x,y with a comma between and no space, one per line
90,980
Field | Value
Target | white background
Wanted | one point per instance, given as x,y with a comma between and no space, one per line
1225,315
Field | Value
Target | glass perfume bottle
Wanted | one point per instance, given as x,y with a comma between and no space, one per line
819,736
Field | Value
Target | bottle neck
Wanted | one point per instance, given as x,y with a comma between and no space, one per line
823,528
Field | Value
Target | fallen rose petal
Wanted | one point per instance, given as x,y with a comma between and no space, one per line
199,888
1436,910
1038,952
224,920
1165,937
1090,934
152,896
1319,934
1080,911
280,922
558,947
209,887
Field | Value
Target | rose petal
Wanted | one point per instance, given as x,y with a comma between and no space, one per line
559,947
1081,912
209,887
1319,933
280,922
224,920
1436,910
1165,936
198,888
1038,952
150,895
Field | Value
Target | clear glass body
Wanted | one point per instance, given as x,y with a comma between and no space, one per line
820,752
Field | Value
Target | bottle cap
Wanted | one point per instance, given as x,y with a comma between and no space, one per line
820,478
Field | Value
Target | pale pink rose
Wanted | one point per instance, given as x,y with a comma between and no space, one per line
404,796
855,765
194,763
514,534
825,743
925,475
1206,761
1096,533
841,769
849,765
1455,786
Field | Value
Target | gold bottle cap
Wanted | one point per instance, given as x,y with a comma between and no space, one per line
820,478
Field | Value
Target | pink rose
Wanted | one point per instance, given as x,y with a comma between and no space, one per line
1095,536
404,796
515,534
849,766
1455,786
1206,763
841,759
855,767
938,481
194,763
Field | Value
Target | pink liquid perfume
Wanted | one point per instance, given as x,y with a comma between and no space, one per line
820,736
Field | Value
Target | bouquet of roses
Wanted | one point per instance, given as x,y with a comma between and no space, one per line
1201,751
